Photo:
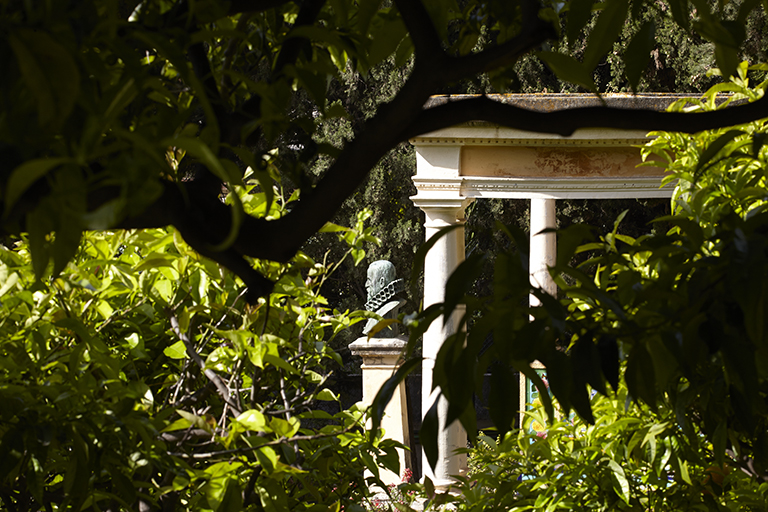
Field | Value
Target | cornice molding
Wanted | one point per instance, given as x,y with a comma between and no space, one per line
526,142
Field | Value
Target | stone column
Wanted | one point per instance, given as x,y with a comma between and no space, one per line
440,262
543,255
543,247
381,358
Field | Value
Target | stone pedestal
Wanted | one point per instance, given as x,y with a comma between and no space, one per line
381,358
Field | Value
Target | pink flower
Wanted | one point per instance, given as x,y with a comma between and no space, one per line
407,475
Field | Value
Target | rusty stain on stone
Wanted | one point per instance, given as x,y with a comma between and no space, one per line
552,162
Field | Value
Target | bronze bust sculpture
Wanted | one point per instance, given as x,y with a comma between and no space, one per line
383,289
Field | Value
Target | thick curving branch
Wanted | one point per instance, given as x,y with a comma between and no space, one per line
426,40
565,122
195,210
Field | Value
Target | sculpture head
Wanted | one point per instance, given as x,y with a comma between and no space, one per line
380,274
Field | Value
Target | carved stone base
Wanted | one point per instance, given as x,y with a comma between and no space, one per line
381,358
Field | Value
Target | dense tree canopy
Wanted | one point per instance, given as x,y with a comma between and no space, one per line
144,114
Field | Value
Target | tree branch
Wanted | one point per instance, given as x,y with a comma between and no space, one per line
291,47
534,32
276,442
426,40
565,122
221,387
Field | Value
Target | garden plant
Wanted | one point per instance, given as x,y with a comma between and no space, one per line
137,378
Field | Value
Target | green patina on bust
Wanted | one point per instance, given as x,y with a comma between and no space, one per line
383,289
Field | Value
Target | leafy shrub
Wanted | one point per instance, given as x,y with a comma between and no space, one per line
631,458
138,377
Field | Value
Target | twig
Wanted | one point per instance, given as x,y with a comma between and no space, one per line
120,313
221,387
282,440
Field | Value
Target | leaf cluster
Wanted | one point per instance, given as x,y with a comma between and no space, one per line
630,458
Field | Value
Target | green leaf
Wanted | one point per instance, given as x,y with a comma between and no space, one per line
560,378
176,351
280,363
365,12
25,175
715,147
680,12
232,501
421,254
638,53
272,495
155,260
330,227
9,282
285,428
727,58
388,389
179,424
641,375
220,477
49,71
608,350
234,228
267,458
682,470
579,12
605,33
585,360
381,325
316,84
430,426
460,282
253,420
621,484
569,69
370,464
327,395
200,150
65,243
719,442
404,52
386,38
504,384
